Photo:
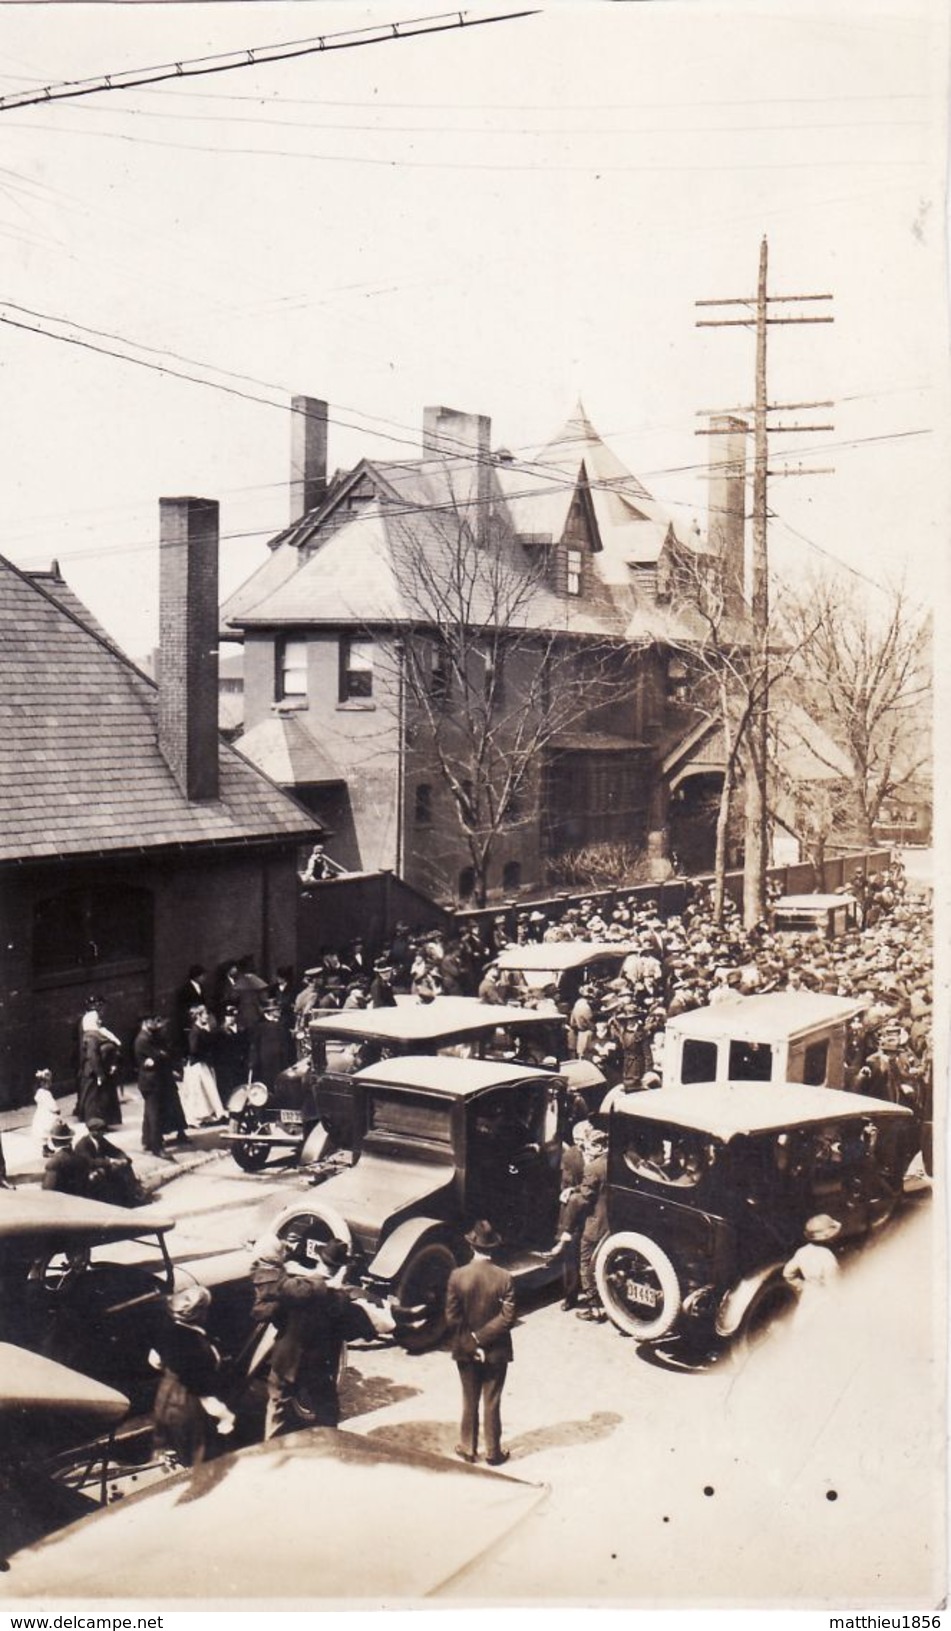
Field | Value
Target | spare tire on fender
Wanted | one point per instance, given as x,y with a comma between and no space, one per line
638,1285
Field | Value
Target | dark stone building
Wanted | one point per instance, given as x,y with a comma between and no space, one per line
133,840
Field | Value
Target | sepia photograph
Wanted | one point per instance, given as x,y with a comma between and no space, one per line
474,578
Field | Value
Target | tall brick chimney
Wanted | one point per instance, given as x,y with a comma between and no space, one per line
727,501
466,437
308,454
188,643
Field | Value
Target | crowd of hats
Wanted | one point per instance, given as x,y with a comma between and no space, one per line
683,962
677,963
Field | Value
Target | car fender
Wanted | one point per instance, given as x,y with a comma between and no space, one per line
337,1224
398,1247
237,1101
734,1306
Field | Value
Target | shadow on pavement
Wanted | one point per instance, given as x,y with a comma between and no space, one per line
440,1437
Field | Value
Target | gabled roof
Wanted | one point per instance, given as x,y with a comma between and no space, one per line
80,767
346,560
632,526
806,751
374,570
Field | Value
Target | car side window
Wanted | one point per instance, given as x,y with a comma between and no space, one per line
699,1061
751,1062
815,1062
666,1155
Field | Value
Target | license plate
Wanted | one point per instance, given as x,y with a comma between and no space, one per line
646,1295
312,1250
292,1118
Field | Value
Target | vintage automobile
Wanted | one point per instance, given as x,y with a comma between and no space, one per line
47,1415
825,915
84,1284
710,1188
309,1109
438,1143
782,1036
81,1283
245,1527
564,964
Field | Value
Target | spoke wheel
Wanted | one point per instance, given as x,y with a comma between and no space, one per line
312,1229
250,1155
638,1285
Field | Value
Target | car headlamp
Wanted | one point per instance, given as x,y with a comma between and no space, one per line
257,1095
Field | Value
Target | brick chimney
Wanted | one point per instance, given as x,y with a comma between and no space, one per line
468,438
308,454
727,501
188,643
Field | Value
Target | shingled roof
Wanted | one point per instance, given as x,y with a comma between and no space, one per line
80,768
375,569
361,563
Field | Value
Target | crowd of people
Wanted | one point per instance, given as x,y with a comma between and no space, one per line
232,1025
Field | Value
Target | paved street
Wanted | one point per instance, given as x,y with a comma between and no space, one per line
809,1471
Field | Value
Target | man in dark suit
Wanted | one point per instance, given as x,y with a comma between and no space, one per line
313,1318
480,1309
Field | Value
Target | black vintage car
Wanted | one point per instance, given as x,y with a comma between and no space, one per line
82,1283
85,1284
710,1187
309,1110
438,1143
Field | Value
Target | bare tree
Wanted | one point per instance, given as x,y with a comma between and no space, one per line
491,672
734,672
866,672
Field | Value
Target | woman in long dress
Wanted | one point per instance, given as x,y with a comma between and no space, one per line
199,1094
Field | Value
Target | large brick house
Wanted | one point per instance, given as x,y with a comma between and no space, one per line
133,840
360,691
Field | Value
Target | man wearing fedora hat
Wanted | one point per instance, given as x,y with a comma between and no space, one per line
313,1318
480,1310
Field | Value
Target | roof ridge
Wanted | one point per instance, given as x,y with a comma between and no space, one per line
66,611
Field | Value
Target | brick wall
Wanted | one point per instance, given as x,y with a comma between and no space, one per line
188,643
205,908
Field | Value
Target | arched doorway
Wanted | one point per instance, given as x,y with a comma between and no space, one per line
692,820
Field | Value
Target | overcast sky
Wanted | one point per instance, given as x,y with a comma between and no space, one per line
500,219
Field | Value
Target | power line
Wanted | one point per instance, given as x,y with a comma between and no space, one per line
546,469
252,57
595,166
549,477
264,120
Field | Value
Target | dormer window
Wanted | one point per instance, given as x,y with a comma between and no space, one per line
573,564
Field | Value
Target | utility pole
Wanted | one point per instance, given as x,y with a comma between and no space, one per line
756,849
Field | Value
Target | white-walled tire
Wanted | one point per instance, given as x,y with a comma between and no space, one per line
638,1285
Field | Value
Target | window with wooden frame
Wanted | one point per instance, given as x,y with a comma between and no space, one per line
290,670
356,669
423,805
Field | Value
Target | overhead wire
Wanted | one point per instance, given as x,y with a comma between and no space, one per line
253,57
595,166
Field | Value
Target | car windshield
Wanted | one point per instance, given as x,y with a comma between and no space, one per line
674,1156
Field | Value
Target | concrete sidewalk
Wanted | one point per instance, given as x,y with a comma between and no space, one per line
25,1161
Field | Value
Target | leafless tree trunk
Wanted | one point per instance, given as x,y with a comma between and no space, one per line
866,672
490,681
